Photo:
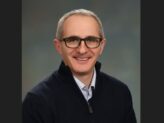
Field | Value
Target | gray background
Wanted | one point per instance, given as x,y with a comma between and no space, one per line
121,57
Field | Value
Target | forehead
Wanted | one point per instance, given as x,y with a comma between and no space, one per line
80,25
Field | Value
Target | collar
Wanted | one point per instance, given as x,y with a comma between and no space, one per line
82,85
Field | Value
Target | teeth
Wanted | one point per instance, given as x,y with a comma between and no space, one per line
82,59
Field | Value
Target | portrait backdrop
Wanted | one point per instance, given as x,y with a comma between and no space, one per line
121,56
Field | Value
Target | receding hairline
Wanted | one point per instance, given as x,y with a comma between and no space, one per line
78,12
82,17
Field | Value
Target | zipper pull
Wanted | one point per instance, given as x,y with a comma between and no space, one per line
90,108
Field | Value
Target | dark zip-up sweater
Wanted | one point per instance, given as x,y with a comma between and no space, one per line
58,99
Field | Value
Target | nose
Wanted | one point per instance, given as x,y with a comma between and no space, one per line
82,48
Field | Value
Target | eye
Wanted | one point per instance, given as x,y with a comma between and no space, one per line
92,39
71,39
75,39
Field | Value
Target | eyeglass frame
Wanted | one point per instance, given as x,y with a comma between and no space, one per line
82,39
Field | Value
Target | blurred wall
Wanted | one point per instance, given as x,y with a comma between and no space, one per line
121,58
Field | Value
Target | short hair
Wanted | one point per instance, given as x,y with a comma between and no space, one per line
83,12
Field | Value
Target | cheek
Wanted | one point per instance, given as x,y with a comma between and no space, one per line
66,53
98,52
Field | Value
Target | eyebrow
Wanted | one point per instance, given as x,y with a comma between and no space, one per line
80,37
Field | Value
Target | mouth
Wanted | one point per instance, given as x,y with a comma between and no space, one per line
82,59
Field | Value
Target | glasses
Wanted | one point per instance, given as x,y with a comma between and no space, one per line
75,41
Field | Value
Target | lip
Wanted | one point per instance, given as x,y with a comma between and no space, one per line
82,59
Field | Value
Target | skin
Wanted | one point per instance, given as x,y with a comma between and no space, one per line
81,60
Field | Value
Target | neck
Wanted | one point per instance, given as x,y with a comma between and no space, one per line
85,78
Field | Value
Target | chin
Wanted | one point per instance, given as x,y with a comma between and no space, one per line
81,72
82,69
81,66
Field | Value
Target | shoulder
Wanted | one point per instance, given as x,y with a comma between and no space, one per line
113,83
108,79
44,89
38,102
118,89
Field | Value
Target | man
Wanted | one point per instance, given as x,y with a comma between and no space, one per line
78,92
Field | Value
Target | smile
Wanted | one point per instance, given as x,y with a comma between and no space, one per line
82,59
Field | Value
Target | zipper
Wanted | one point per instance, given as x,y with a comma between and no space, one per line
90,108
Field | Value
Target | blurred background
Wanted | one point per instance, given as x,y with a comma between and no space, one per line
121,57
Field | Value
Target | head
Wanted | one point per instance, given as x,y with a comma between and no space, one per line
80,40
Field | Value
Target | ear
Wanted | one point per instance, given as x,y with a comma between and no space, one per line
57,45
103,43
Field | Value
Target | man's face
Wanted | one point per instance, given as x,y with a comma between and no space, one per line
81,60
